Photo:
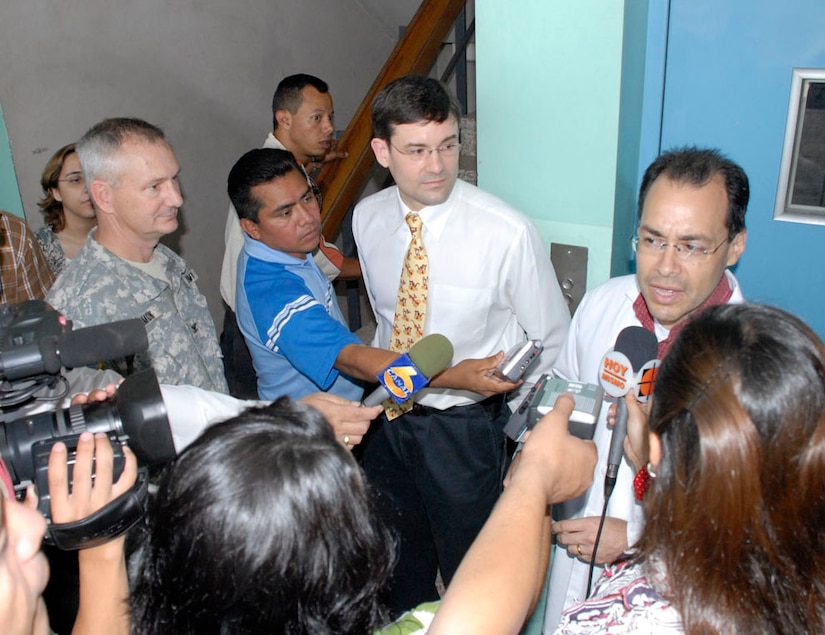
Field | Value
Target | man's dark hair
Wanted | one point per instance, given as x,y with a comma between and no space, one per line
411,99
697,166
288,93
255,168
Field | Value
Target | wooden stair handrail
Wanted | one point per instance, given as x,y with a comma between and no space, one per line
416,52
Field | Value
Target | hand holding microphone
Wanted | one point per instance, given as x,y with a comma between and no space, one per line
631,365
637,442
411,371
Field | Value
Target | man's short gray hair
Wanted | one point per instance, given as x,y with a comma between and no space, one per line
98,148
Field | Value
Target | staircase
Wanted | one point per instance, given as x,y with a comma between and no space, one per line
416,52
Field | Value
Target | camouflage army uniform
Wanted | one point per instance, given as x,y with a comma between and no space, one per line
97,287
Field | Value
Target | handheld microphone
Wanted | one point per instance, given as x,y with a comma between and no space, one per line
410,372
632,364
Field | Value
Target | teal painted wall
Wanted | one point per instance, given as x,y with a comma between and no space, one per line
9,192
549,95
631,117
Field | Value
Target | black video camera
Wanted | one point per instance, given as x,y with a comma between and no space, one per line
35,343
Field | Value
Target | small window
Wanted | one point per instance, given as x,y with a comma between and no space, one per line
800,197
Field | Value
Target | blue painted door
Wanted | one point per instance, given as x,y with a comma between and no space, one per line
727,81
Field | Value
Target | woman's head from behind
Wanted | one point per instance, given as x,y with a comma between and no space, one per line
64,189
263,525
739,451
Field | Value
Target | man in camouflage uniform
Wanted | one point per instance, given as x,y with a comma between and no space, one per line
122,272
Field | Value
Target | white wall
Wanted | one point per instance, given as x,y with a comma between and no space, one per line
203,70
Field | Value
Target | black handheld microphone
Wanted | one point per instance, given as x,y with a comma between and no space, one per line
635,348
411,371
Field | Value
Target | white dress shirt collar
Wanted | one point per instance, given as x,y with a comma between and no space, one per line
434,217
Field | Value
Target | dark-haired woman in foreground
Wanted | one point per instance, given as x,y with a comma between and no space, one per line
263,525
737,442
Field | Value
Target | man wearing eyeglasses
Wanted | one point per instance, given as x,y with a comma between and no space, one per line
489,285
691,229
287,309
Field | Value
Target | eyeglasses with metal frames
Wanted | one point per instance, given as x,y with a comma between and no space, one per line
419,154
75,180
684,250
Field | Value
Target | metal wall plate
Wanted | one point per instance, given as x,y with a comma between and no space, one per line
570,263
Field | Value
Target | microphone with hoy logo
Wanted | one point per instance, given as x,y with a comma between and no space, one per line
631,365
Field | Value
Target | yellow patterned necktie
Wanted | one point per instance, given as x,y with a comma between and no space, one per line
411,303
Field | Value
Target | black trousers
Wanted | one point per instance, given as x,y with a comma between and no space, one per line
237,361
436,475
62,593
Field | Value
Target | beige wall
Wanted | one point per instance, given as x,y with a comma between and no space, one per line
204,70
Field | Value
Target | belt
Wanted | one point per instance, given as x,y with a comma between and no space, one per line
493,406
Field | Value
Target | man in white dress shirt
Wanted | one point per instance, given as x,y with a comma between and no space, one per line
691,228
437,469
